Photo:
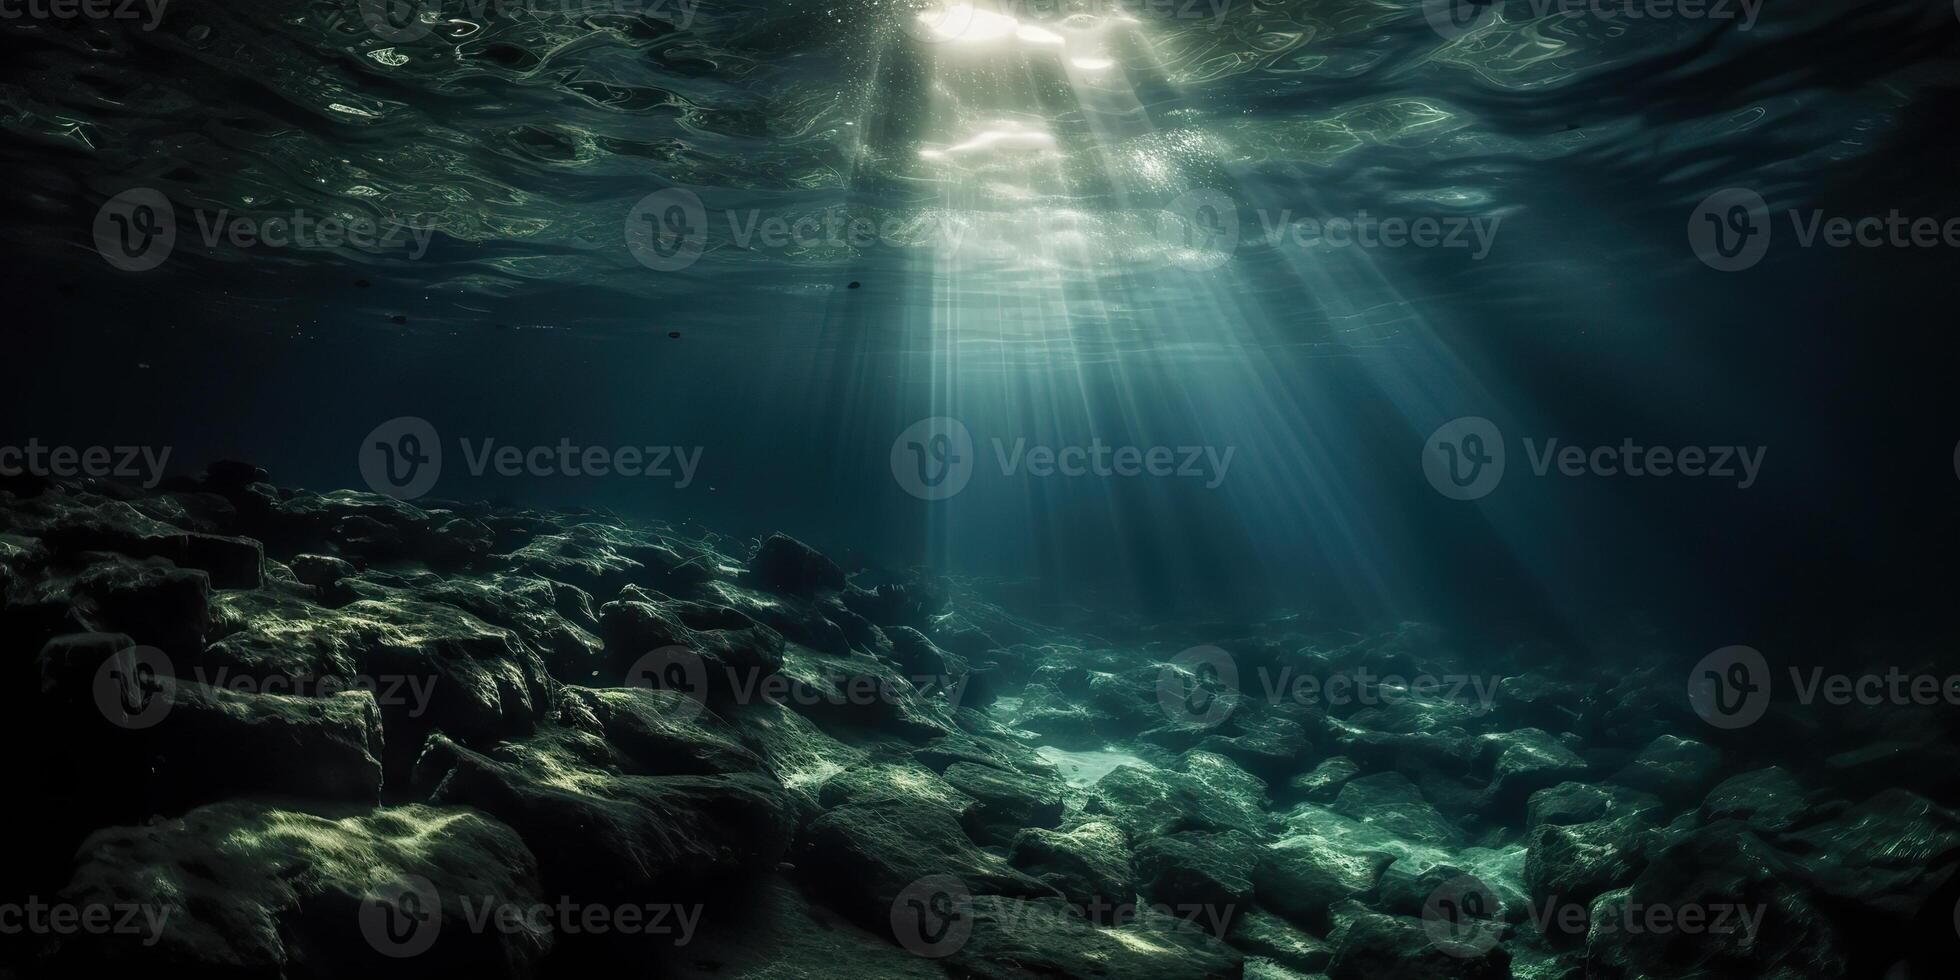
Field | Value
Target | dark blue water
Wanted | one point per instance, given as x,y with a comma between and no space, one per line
517,143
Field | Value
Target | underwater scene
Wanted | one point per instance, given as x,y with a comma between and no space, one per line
945,489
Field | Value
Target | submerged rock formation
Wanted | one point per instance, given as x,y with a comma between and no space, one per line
279,733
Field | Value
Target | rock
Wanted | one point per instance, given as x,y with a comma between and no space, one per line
1678,770
1397,947
1269,746
772,931
1324,783
1257,932
1769,800
1538,700
862,858
1523,762
1062,721
732,652
1006,800
1887,855
903,784
1391,802
1089,865
1757,919
1013,939
604,833
787,566
1148,803
155,602
324,572
1572,864
1197,870
795,752
664,732
245,889
1302,874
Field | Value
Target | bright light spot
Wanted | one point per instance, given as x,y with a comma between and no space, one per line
966,23
1092,64
1037,35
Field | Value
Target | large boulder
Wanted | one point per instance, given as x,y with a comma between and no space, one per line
785,565
248,890
1089,865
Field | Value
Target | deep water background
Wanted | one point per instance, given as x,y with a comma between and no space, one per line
1592,322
